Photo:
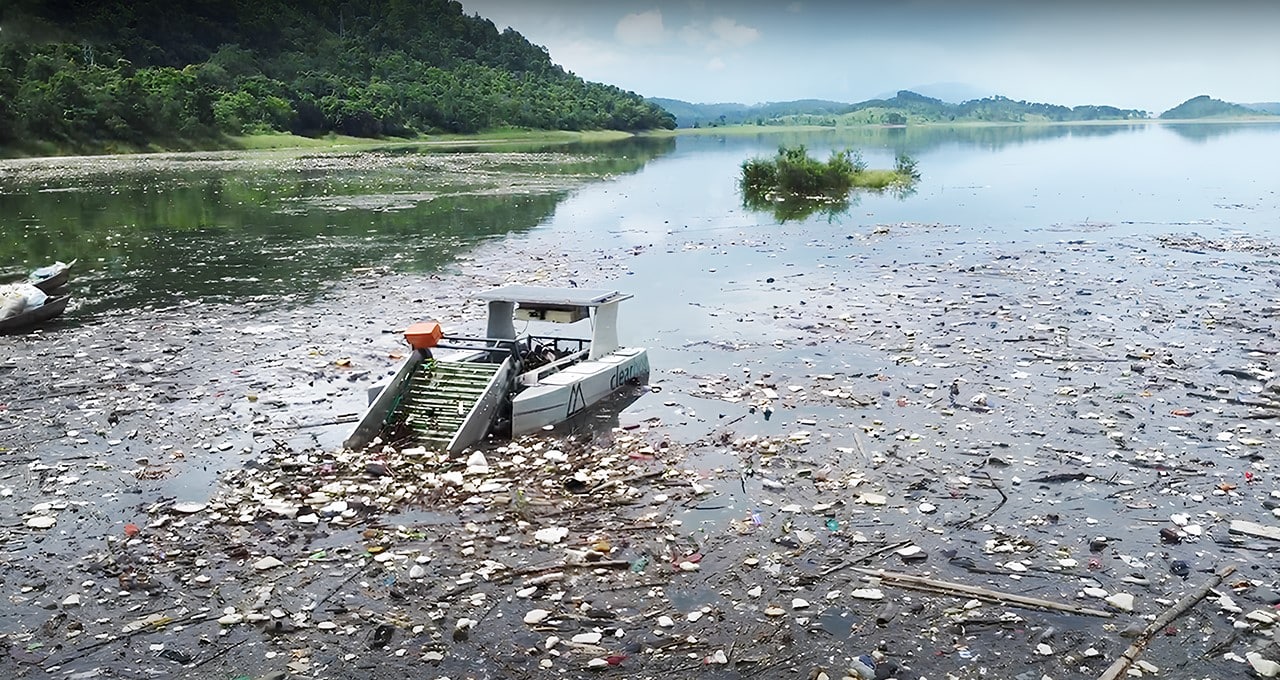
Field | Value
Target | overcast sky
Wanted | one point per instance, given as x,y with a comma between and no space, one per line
1143,54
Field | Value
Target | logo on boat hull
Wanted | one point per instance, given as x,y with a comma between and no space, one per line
625,374
577,401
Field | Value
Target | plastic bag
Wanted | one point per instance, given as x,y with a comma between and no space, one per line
48,272
17,298
35,296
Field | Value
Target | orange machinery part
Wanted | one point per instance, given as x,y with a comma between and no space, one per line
423,335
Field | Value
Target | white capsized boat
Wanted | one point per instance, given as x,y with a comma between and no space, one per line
453,391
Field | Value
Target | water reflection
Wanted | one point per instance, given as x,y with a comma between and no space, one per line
236,227
918,140
1204,132
791,207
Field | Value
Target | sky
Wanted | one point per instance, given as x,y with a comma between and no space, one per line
1141,54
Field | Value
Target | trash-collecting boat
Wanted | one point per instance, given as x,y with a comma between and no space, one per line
504,382
53,306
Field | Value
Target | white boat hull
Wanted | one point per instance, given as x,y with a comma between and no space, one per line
566,393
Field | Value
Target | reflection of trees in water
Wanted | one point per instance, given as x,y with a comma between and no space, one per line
831,206
915,140
792,208
194,233
1203,132
620,155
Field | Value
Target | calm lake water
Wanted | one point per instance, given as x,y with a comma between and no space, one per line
229,226
1025,263
281,226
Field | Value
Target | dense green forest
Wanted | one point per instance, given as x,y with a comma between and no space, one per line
906,107
1207,107
87,73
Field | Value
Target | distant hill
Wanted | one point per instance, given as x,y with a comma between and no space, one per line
952,93
910,107
1205,106
1265,107
703,115
903,108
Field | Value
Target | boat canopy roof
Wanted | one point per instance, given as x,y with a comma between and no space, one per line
547,295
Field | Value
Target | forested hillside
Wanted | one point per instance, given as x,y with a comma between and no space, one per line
1205,106
912,107
906,107
702,115
89,72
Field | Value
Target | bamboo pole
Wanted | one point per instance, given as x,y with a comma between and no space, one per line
1121,665
948,588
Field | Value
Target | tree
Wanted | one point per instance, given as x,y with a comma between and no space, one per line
151,69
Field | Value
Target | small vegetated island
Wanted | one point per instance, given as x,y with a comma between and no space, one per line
793,184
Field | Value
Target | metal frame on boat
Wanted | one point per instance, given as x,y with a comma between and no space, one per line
505,381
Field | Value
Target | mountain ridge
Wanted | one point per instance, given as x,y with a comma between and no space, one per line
1265,107
908,107
903,108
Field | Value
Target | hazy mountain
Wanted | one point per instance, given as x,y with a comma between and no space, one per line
1205,106
1265,107
905,107
701,115
952,93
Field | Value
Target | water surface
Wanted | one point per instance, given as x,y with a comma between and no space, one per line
228,226
1028,265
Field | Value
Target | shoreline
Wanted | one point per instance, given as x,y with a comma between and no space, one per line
499,138
291,142
756,129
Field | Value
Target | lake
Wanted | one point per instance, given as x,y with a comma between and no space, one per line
1063,338
224,226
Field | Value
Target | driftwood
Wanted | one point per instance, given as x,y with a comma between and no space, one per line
974,519
561,566
1233,400
959,589
1121,665
865,558
1240,526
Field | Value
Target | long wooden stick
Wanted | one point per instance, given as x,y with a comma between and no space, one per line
948,588
879,551
1121,665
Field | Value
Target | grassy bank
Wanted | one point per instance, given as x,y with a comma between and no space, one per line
490,138
274,141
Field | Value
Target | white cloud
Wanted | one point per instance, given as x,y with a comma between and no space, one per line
795,7
641,29
590,59
721,34
716,64
733,33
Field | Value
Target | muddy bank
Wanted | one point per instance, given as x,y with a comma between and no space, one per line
1079,424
